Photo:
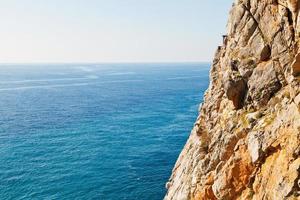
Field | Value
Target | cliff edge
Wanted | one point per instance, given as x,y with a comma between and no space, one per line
246,141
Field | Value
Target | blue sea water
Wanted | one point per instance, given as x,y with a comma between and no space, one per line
94,131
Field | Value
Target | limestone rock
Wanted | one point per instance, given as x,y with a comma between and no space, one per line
263,83
265,53
296,66
235,89
255,146
245,143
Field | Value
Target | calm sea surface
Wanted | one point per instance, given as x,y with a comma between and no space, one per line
94,131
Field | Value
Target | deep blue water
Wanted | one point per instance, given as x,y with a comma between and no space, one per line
94,131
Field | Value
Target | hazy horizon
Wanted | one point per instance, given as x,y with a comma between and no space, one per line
98,31
108,62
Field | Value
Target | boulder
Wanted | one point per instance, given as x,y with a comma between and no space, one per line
236,89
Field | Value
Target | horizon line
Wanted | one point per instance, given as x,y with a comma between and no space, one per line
108,62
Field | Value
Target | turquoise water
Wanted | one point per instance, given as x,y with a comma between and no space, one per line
94,131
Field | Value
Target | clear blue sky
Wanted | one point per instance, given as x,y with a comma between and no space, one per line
111,30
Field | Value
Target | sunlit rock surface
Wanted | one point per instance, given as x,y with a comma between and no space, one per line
246,141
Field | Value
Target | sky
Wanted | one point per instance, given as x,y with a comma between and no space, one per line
59,31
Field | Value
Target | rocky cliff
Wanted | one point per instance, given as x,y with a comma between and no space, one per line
246,141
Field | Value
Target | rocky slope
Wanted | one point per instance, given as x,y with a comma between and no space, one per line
246,141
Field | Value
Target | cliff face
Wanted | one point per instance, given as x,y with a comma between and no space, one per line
246,141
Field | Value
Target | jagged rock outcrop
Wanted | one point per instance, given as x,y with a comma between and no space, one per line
246,141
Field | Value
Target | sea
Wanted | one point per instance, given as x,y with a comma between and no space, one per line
108,131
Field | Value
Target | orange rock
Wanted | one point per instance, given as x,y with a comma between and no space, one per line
235,176
205,194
